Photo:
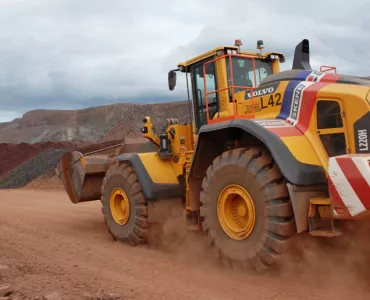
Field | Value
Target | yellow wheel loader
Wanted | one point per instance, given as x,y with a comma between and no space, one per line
266,155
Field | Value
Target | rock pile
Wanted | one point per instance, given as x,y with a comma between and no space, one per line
13,155
22,163
31,169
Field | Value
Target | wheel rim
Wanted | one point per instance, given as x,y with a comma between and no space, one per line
119,206
236,212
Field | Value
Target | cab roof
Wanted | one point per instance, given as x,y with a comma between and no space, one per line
213,52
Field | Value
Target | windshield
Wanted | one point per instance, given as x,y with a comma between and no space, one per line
243,73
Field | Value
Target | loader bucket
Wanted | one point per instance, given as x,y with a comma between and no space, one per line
82,174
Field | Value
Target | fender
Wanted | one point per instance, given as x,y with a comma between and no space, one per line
156,176
294,171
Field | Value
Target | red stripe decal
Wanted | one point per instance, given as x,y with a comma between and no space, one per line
355,179
310,78
330,78
308,104
286,131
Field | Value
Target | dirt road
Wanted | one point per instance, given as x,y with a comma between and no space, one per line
49,244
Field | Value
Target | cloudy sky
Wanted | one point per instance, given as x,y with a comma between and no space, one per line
66,54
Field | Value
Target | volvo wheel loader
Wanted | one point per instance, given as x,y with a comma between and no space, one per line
266,155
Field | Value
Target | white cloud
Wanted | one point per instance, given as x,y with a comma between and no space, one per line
71,54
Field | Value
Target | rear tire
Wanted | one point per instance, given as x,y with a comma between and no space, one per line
269,222
133,226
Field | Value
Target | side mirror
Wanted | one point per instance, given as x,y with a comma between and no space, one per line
171,80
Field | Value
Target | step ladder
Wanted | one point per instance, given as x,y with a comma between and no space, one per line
320,220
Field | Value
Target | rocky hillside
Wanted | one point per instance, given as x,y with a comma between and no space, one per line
93,124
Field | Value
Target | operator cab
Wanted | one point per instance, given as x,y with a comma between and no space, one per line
217,75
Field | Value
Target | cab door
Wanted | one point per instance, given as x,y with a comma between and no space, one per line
199,96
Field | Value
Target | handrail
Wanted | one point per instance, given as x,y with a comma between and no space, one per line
328,68
232,87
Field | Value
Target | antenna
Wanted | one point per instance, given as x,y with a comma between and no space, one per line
183,50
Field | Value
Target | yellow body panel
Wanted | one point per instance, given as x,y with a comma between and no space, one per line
301,149
351,98
181,139
222,81
159,170
265,106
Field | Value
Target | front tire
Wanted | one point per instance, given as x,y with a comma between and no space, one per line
125,207
246,208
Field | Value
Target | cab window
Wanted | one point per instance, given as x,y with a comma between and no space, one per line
328,115
243,71
330,127
263,69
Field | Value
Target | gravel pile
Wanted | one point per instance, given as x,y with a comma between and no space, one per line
22,163
13,155
31,169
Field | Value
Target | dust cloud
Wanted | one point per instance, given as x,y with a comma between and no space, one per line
339,266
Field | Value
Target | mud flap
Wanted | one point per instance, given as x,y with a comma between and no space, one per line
300,197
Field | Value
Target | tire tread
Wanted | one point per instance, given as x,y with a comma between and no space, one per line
136,197
279,212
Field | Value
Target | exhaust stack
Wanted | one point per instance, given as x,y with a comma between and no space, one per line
301,60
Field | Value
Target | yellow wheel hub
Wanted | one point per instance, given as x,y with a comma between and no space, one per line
236,212
119,206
